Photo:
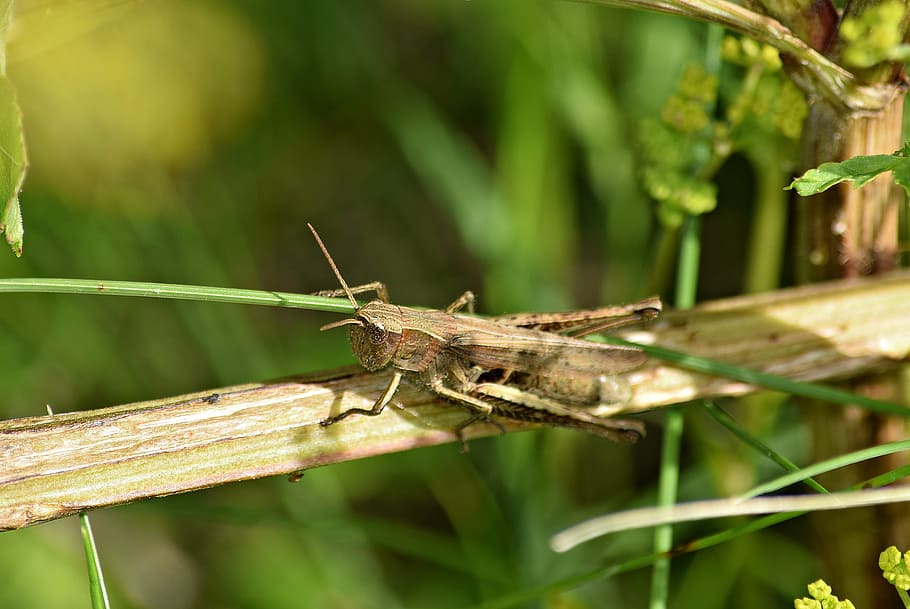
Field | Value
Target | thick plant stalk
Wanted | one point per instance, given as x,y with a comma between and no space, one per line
847,232
54,466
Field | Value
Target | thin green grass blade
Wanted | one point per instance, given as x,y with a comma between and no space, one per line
178,292
97,588
865,454
727,421
888,477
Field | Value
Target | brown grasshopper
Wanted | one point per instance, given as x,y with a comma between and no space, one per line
529,367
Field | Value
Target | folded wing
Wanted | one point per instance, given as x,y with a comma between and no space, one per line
541,353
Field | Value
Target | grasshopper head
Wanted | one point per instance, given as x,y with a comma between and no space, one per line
376,334
376,327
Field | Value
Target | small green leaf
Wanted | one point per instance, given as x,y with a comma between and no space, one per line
12,165
859,169
12,145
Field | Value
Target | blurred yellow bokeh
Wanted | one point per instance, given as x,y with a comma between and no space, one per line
120,93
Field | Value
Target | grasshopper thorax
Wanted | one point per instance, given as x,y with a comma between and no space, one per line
376,334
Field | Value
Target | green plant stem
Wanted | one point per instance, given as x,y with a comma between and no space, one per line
686,290
177,292
768,226
660,267
686,285
689,256
666,496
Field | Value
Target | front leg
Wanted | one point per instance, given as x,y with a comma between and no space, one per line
377,408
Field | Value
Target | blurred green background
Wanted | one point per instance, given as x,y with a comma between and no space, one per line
437,145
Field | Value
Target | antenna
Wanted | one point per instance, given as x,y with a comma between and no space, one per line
328,257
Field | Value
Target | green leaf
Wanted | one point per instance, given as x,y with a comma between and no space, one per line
12,146
859,169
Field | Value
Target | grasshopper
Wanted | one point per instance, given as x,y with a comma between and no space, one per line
529,367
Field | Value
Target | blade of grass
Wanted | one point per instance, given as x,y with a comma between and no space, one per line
865,454
727,421
177,292
97,588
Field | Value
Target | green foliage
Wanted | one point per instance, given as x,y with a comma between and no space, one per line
875,36
687,111
768,103
860,170
679,194
685,148
673,147
821,598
